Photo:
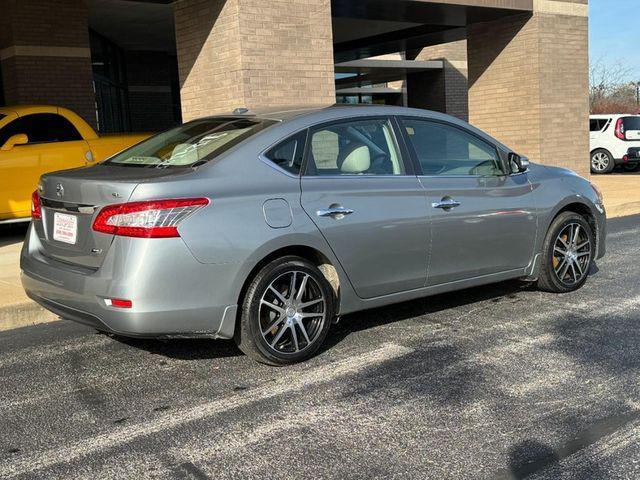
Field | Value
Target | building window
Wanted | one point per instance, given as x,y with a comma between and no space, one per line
110,85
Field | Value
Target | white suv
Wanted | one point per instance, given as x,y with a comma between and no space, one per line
615,140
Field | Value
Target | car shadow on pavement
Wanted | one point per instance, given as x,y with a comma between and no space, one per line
12,233
200,349
183,349
422,307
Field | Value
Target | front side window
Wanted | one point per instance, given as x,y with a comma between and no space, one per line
357,147
188,144
41,128
288,154
443,149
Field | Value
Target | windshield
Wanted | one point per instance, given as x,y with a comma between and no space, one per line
188,144
631,123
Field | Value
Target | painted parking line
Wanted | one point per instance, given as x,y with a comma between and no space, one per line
290,384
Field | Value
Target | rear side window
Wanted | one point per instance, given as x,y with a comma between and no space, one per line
355,147
598,124
41,128
191,143
288,154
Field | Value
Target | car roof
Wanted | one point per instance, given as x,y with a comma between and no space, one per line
21,110
286,113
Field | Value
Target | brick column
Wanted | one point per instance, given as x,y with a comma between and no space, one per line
253,53
444,91
45,54
529,82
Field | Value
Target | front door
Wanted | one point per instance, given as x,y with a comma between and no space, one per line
482,220
54,144
360,193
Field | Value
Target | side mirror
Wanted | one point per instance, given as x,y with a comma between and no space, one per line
518,164
19,139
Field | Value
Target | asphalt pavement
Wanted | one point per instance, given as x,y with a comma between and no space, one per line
495,382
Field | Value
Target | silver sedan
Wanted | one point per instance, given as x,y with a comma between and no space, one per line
265,228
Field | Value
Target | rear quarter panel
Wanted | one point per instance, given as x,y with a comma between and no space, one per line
232,230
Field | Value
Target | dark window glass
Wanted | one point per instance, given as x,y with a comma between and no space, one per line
358,147
191,143
598,124
288,154
447,150
41,128
631,123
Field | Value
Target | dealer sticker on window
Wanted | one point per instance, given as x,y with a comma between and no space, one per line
65,228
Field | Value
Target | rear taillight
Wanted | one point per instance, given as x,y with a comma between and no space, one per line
36,210
619,131
153,219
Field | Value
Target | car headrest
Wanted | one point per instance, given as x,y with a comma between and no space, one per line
184,154
355,158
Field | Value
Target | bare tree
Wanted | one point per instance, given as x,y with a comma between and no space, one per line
609,88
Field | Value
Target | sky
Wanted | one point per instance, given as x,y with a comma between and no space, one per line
614,33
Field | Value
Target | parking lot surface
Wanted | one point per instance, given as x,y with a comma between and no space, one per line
496,382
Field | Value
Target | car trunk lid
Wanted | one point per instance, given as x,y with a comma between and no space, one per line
70,200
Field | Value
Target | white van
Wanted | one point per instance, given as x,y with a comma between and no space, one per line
615,140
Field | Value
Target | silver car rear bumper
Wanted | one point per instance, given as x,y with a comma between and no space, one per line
173,296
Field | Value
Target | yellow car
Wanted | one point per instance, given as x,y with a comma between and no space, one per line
38,139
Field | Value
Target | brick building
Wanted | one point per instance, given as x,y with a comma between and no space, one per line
515,68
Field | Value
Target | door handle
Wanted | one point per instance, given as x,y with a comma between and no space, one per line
334,212
446,203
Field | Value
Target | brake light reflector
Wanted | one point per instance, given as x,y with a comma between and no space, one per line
151,219
118,302
36,209
620,129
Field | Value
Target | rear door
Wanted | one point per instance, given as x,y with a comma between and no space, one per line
360,191
596,127
482,220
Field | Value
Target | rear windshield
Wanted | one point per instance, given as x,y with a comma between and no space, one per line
194,142
631,123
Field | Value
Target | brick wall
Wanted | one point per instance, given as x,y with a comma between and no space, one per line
528,83
253,54
45,55
451,84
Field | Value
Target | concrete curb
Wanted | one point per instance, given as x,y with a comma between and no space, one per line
24,315
624,210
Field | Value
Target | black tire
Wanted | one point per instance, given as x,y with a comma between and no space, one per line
631,167
253,321
549,279
597,157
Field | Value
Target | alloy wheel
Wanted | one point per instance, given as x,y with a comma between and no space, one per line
600,161
292,312
572,254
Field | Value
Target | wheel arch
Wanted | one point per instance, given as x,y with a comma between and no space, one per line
579,206
326,263
576,204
